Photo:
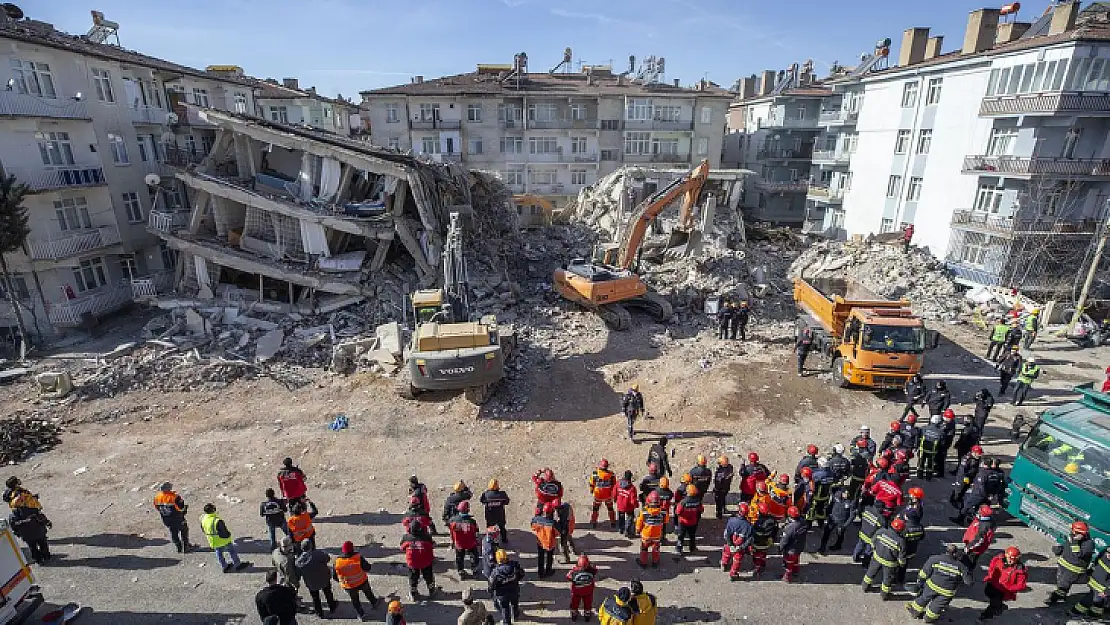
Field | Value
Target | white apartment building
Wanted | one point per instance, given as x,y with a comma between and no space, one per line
997,152
84,124
549,134
287,103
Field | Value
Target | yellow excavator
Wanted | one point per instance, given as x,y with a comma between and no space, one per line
610,287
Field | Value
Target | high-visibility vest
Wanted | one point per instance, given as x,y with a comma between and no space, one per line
208,524
300,527
998,334
1031,323
1029,373
349,571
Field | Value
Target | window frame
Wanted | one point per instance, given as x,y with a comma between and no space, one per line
910,90
102,85
72,214
37,71
924,141
578,177
913,189
894,186
902,141
90,270
132,207
933,89
117,145
200,97
391,113
474,113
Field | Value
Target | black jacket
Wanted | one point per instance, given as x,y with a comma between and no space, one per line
279,601
29,524
931,439
945,572
890,548
1076,553
794,536
983,406
842,511
722,478
915,391
494,502
451,504
658,455
840,466
273,510
968,469
504,580
314,569
938,401
1010,364
969,437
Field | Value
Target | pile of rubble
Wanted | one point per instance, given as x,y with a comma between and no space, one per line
21,436
888,272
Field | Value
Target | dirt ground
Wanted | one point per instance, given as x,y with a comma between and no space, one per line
113,555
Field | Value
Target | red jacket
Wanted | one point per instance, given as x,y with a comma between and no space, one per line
291,483
1010,579
464,532
419,552
547,492
887,492
752,475
582,579
626,497
688,512
977,541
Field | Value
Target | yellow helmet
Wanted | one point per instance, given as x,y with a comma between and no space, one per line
702,461
1036,311
459,486
723,460
395,607
493,485
501,556
635,386
686,479
691,490
664,482
1071,468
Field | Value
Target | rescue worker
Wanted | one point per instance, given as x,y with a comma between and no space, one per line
880,471
649,526
650,483
838,465
701,476
998,339
464,538
948,428
888,492
1009,365
779,496
965,474
937,583
415,513
910,433
603,487
300,522
667,499
171,507
860,467
792,544
564,522
31,526
764,530
808,460
724,320
888,557
632,404
494,502
1030,327
752,472
869,443
1094,604
802,346
938,399
762,497
966,440
842,511
738,537
616,610
1073,559
548,489
474,612
907,236
914,391
871,521
15,495
420,557
657,455
740,319
687,515
984,402
460,493
490,547
350,571
285,562
987,480
273,511
276,603
722,484
626,500
547,539
395,613
291,481
978,536
1013,337
888,438
644,604
1006,577
504,586
901,465
312,565
821,486
1030,371
803,491
913,515
583,579
418,490
928,451
220,540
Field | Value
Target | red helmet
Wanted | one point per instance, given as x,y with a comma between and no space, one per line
556,503
783,479
763,509
917,492
494,531
348,548
811,450
743,509
898,525
653,498
911,419
583,561
464,506
883,463
976,450
548,475
862,443
895,426
414,501
793,512
807,472
949,414
1079,527
753,457
985,510
604,464
761,487
1012,553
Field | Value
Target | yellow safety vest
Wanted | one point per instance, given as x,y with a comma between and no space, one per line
208,524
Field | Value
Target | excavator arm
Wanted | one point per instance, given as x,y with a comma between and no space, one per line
690,185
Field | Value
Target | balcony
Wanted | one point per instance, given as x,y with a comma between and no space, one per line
148,115
182,157
15,104
77,243
772,186
511,124
582,157
188,115
824,194
563,124
1045,104
781,154
685,125
95,303
166,222
831,157
48,178
1078,168
838,117
152,285
1010,227
451,157
435,124
670,158
809,123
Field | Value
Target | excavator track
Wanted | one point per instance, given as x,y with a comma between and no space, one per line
615,316
655,305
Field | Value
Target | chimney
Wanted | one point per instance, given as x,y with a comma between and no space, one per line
981,27
933,46
747,87
767,82
913,46
676,82
418,79
1010,31
1063,17
290,83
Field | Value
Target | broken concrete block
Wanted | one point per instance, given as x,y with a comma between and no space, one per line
389,336
269,345
120,350
196,324
54,384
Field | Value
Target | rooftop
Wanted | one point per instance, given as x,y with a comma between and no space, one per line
489,83
810,91
270,89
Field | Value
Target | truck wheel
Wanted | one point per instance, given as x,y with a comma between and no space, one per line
406,390
478,395
838,372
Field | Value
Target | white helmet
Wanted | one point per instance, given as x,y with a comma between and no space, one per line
864,428
838,448
822,462
935,419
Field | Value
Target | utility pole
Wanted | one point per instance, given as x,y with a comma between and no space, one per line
1090,276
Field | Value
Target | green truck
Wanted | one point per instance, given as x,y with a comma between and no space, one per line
1062,471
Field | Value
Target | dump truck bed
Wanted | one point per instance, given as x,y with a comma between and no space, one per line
829,300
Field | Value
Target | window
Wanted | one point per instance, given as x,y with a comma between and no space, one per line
707,115
240,102
610,155
169,256
119,149
429,112
509,114
144,152
19,285
893,186
913,190
279,114
578,176
932,93
391,113
977,250
429,145
909,94
473,112
33,78
610,124
476,146
55,148
887,226
542,145
512,145
541,176
924,141
90,275
127,265
133,208
1001,141
102,82
1071,140
837,220
542,112
639,109
513,176
394,143
578,112
668,113
847,181
664,146
578,145
902,142
637,143
72,214
200,96
988,199
703,146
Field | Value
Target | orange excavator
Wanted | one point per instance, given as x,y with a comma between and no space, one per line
611,287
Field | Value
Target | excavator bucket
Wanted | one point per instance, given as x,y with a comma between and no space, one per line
679,238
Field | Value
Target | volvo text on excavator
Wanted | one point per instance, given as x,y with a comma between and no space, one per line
610,287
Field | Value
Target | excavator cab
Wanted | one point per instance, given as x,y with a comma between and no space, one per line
427,304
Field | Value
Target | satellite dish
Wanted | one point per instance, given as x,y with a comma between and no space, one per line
171,118
152,180
12,11
77,96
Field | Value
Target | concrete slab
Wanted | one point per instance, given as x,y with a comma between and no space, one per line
389,336
269,345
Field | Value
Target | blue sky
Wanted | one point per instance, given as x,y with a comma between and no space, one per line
349,45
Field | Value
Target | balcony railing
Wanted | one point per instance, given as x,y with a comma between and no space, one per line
98,302
451,157
581,157
831,156
670,158
15,104
64,177
839,116
74,244
167,222
564,123
435,124
661,124
1045,104
787,154
1038,166
828,195
511,124
182,157
190,116
152,285
148,115
808,122
771,186
994,224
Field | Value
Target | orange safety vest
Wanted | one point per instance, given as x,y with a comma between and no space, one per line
778,502
349,571
300,526
602,484
166,503
651,522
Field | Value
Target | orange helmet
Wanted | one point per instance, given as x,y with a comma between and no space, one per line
686,479
811,450
1079,527
898,525
763,509
783,479
723,460
664,482
1012,553
395,607
583,561
604,464
743,509
793,512
807,472
917,492
702,461
753,457
691,490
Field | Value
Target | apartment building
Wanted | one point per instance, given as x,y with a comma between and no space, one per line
84,125
287,103
998,152
549,134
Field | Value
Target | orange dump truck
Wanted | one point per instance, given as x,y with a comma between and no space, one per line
871,342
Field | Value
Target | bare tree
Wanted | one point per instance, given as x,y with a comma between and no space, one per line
13,235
